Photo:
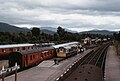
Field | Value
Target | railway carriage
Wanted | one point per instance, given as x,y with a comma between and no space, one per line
6,49
67,49
31,57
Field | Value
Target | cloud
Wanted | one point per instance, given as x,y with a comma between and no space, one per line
79,14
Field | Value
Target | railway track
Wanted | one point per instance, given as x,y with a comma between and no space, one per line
89,68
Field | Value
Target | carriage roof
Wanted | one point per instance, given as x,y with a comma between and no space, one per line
35,50
65,44
15,45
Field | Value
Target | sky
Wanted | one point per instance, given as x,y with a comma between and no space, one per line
76,15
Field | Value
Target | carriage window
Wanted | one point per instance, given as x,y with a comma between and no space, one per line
64,50
51,52
23,48
57,50
73,48
37,56
47,53
70,50
3,50
11,49
60,50
33,56
44,54
41,56
30,57
28,47
17,49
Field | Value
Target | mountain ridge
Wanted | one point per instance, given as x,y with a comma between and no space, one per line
95,31
4,27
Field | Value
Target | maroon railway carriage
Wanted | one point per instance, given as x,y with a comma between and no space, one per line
6,49
31,57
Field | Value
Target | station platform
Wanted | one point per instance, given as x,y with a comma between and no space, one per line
47,70
112,67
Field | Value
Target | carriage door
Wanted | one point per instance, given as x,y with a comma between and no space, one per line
26,60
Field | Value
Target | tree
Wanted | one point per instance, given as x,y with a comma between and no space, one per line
60,31
56,37
35,31
117,36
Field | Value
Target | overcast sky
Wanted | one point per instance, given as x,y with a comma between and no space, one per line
78,15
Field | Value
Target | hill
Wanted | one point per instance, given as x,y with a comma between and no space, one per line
55,29
102,32
48,31
4,27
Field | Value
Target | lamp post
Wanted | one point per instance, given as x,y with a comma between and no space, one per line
2,72
16,68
